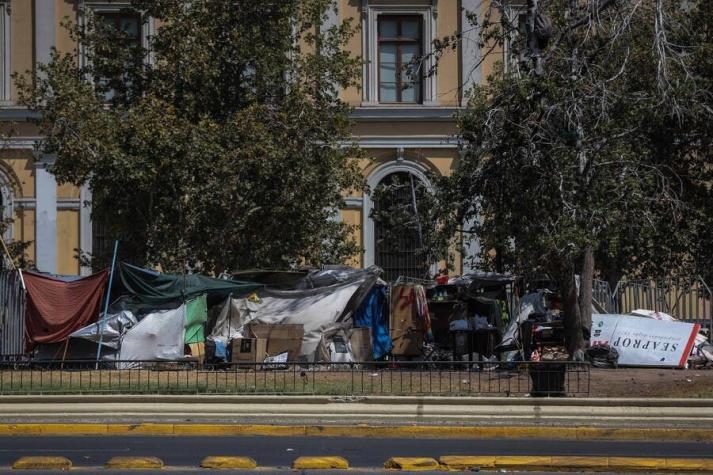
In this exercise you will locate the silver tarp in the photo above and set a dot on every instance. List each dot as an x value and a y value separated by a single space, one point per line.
109 330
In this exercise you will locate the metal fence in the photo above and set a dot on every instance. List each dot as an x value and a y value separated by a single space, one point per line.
12 315
687 299
551 378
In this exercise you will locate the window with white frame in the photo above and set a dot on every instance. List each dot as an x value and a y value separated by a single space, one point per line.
5 71
393 35
131 29
400 46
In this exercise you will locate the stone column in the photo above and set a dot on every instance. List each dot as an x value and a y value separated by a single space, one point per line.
470 50
46 216
85 224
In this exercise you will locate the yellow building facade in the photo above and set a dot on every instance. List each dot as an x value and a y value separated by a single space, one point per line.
405 127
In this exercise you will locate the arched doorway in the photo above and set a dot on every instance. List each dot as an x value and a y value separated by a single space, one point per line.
398 230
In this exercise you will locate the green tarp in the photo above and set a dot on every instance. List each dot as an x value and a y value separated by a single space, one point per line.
196 316
150 287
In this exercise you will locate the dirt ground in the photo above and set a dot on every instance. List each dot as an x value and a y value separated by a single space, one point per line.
646 382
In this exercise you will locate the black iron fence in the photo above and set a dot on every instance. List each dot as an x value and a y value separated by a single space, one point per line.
551 378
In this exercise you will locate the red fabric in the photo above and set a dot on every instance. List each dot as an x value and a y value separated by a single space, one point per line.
55 308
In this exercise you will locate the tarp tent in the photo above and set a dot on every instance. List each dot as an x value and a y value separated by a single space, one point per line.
57 308
158 336
319 310
150 287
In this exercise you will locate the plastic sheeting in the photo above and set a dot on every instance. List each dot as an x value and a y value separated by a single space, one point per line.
55 309
196 316
318 310
374 313
150 287
531 303
158 336
109 330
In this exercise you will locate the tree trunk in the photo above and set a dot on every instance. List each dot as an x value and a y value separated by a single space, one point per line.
585 289
572 313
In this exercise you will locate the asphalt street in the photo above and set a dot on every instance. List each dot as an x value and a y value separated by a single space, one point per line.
280 452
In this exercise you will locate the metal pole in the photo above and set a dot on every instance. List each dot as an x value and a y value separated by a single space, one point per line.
100 326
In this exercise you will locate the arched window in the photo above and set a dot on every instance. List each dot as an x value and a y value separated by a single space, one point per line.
398 231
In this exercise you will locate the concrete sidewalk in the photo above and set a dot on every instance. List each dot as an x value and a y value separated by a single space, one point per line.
318 411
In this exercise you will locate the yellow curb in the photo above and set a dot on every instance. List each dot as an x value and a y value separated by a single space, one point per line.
463 462
697 465
134 462
273 431
143 429
42 463
413 464
206 429
73 429
436 432
502 461
320 463
637 463
228 462
591 463
20 429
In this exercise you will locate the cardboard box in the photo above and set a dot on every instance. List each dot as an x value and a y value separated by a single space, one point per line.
280 338
249 350
360 341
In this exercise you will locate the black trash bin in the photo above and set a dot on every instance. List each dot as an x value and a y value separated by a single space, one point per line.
548 379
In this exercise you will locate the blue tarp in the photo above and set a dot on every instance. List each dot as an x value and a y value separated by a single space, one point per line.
374 313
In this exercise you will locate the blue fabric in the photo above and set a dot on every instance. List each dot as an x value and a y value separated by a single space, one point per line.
221 351
374 313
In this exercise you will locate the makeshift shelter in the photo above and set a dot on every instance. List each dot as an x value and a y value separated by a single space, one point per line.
319 310
158 336
57 308
153 288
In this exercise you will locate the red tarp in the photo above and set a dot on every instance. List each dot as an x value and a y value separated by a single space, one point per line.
56 308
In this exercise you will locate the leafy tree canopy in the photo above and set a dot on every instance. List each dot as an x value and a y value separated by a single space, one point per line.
217 145
588 149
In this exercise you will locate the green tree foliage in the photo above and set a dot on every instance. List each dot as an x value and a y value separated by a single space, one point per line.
589 150
220 144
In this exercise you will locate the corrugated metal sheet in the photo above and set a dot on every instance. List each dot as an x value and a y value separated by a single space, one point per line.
12 316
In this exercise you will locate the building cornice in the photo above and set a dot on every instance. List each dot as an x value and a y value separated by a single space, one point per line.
420 141
422 113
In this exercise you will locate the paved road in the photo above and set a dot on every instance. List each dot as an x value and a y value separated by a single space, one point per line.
281 451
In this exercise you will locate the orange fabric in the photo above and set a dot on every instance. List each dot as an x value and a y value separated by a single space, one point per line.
55 309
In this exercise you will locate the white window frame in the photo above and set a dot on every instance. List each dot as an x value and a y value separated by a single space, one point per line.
5 37
370 47
148 28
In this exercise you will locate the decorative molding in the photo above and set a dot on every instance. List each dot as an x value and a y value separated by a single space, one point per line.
19 143
370 47
353 202
10 112
62 203
404 113
439 141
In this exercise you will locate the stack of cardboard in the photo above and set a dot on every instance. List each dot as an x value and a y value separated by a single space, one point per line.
268 340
